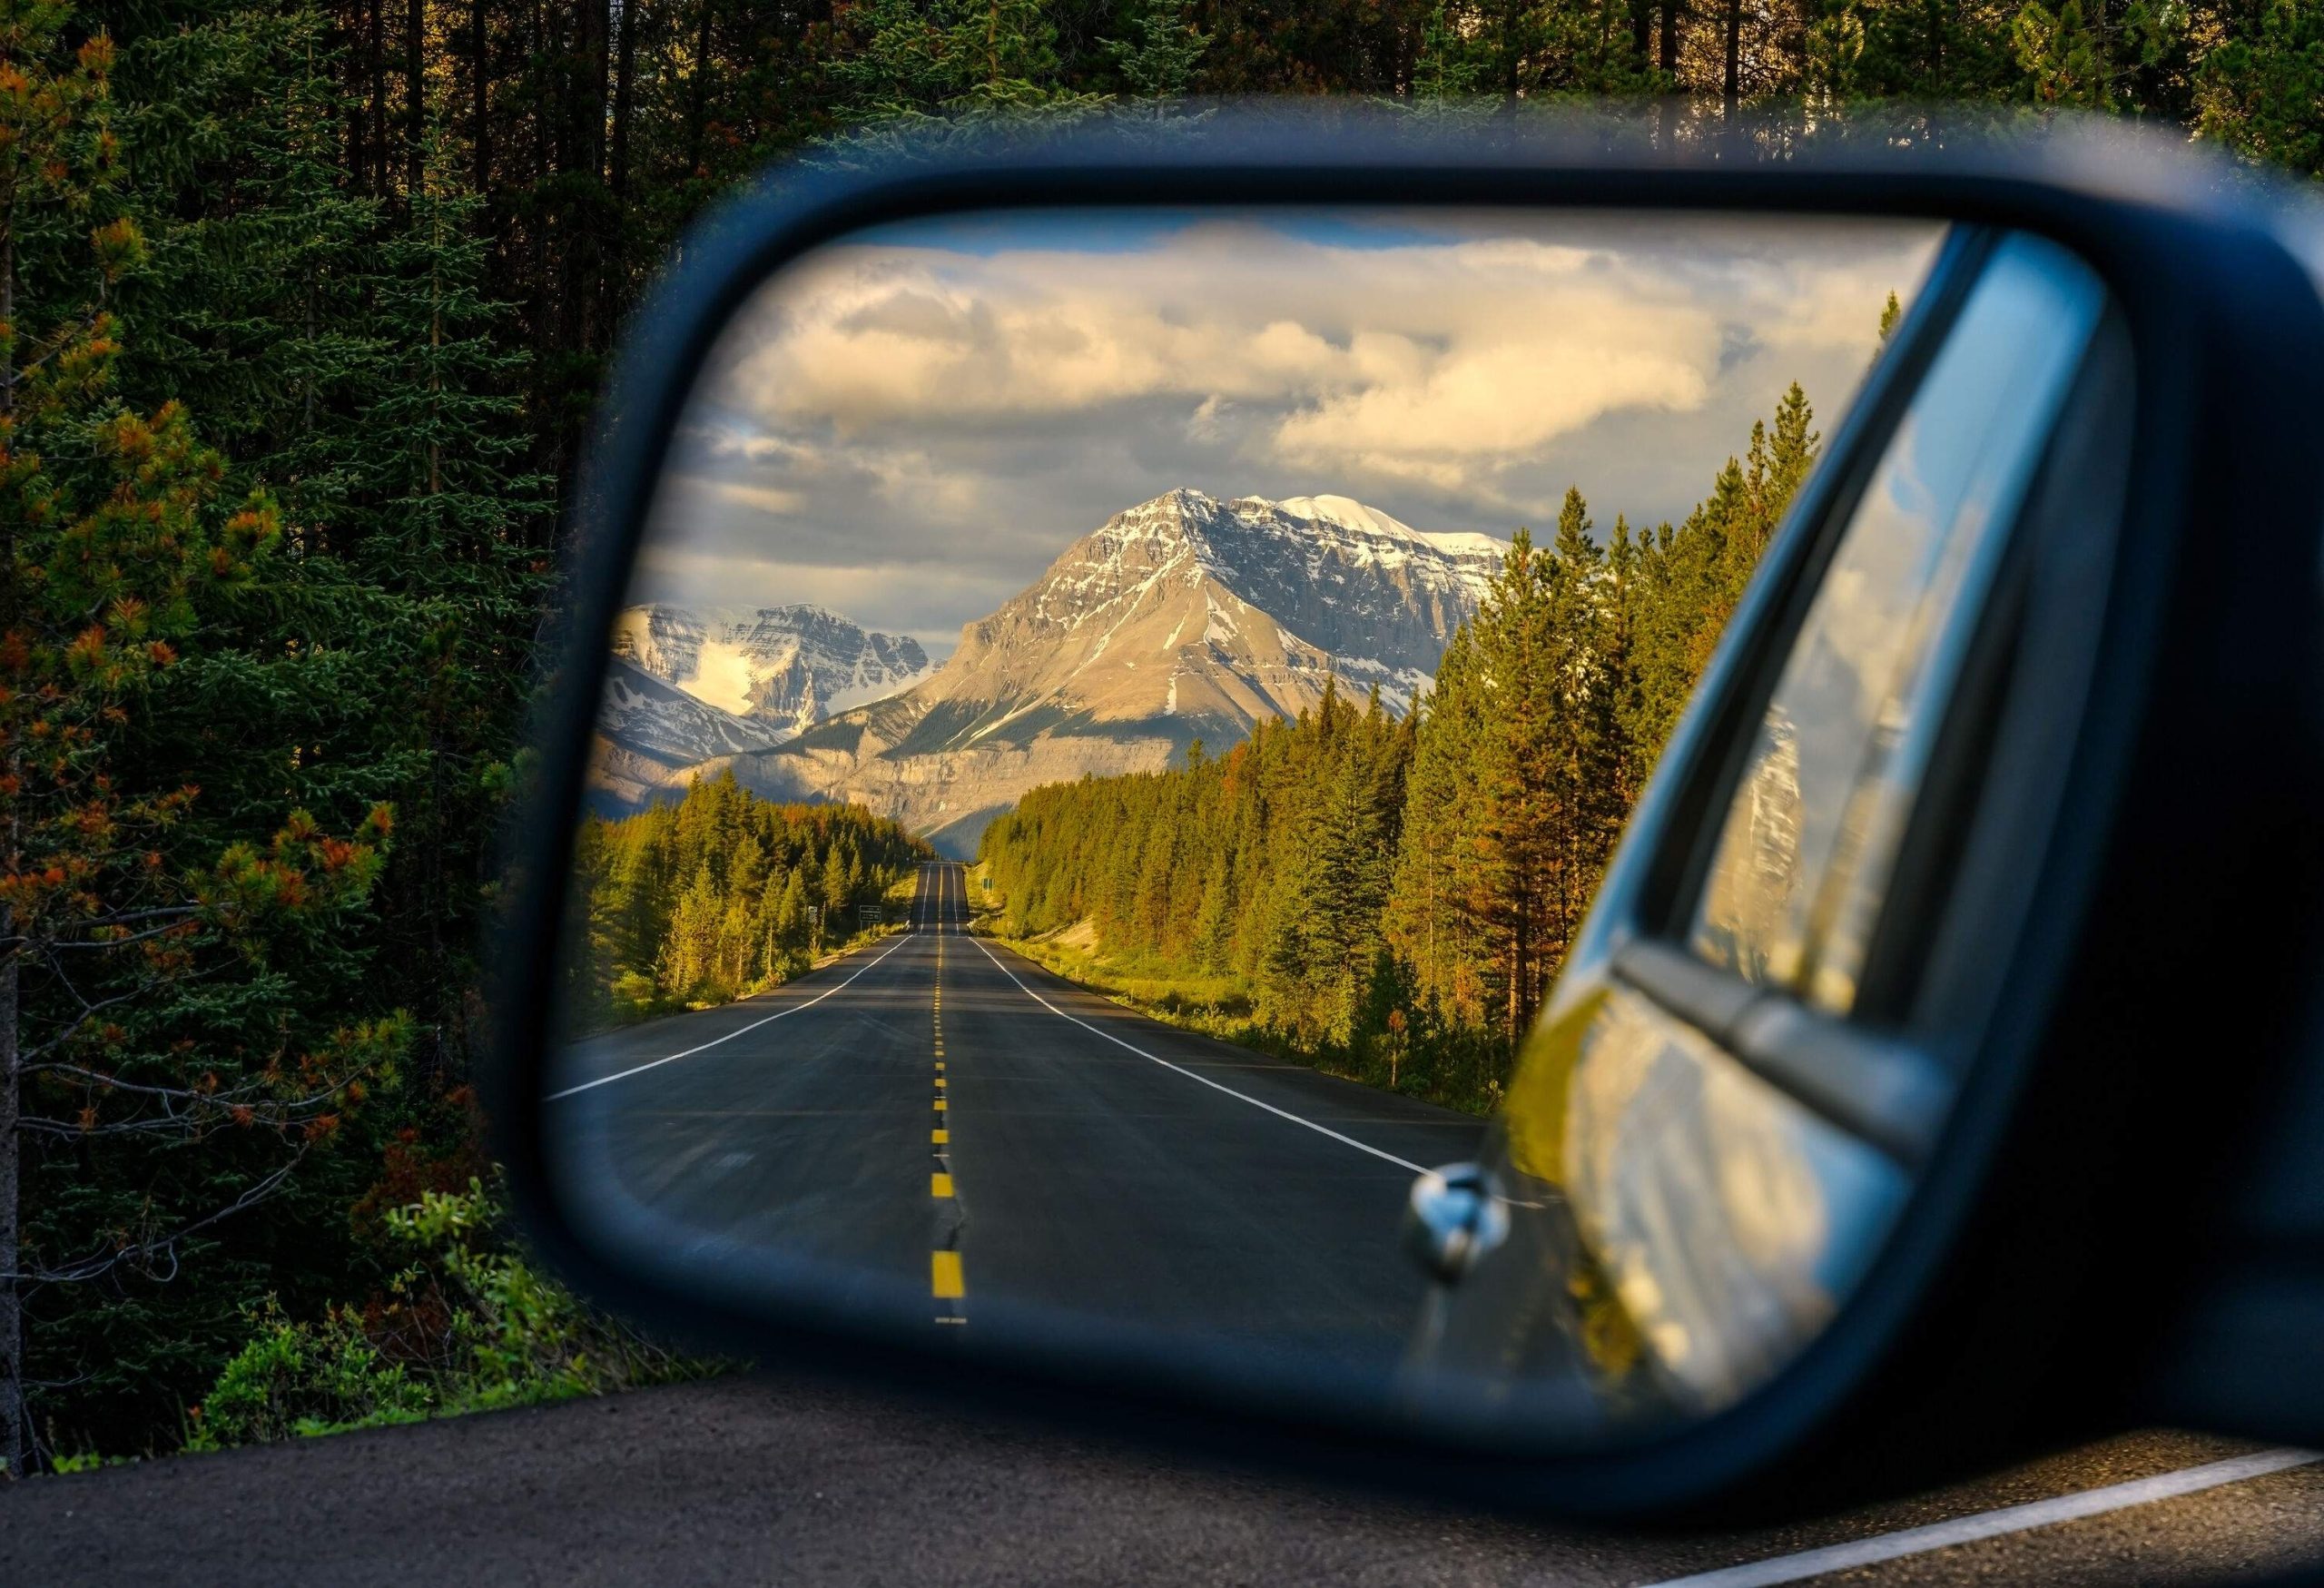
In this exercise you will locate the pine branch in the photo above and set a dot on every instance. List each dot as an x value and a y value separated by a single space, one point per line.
98 1264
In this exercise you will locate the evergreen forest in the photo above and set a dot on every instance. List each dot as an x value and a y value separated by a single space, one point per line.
1392 897
718 895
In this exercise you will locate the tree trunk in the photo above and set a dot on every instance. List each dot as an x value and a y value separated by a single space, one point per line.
480 98
698 114
1521 970
8 316
1670 56
378 116
352 31
598 40
1732 85
415 72
16 1422
15 1414
16 1417
625 76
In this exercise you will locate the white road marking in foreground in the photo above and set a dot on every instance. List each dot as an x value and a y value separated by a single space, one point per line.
1913 1541
742 1030
1190 1075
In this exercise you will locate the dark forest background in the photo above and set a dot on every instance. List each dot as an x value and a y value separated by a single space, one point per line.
302 311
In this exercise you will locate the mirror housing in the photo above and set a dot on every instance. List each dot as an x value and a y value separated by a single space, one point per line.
2012 1286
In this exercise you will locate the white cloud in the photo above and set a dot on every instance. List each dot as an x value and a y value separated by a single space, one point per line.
1449 360
920 423
766 499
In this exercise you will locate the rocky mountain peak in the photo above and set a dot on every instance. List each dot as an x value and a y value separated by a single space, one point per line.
1183 616
785 667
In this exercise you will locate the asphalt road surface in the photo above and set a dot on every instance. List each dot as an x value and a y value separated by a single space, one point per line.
791 1482
935 1120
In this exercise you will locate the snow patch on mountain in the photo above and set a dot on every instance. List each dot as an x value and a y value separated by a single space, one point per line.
787 666
640 712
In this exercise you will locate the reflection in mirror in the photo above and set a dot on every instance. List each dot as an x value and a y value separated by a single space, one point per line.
1716 1207
1116 717
1803 858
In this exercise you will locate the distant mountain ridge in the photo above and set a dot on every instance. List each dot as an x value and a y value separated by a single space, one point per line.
788 666
688 686
1180 619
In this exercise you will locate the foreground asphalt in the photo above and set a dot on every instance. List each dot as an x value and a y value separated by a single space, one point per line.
779 1482
941 1123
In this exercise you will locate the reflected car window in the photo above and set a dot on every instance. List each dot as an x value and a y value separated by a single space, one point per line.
1808 843
1730 1220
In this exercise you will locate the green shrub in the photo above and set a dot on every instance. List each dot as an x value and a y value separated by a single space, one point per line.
296 1378
469 1325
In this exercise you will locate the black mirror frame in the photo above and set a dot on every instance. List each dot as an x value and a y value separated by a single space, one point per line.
2198 258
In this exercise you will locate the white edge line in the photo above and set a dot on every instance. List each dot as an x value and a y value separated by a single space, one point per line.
740 1031
1913 1541
1190 1075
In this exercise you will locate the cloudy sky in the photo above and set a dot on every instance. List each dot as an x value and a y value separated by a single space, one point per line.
909 427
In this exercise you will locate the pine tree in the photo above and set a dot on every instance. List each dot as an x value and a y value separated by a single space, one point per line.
910 59
144 956
1158 60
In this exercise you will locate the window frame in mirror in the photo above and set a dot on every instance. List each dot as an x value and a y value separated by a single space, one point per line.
1885 1068
1874 1084
2134 215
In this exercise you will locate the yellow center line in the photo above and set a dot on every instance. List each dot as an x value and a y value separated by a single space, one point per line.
946 1281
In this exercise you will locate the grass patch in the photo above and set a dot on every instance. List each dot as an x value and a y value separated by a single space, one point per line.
1454 1070
636 999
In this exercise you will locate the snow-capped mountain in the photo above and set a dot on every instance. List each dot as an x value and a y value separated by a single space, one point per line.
661 720
785 666
686 687
1183 618
1217 614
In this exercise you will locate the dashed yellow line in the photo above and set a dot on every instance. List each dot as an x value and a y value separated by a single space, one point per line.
946 1282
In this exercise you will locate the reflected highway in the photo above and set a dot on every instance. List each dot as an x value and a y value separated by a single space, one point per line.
934 1109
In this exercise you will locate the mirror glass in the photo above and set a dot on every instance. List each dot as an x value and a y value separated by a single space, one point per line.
1119 716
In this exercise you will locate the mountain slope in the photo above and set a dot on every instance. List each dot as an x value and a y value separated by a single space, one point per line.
1183 618
650 732
785 666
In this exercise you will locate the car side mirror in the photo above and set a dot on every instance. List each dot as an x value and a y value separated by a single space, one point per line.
1044 880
